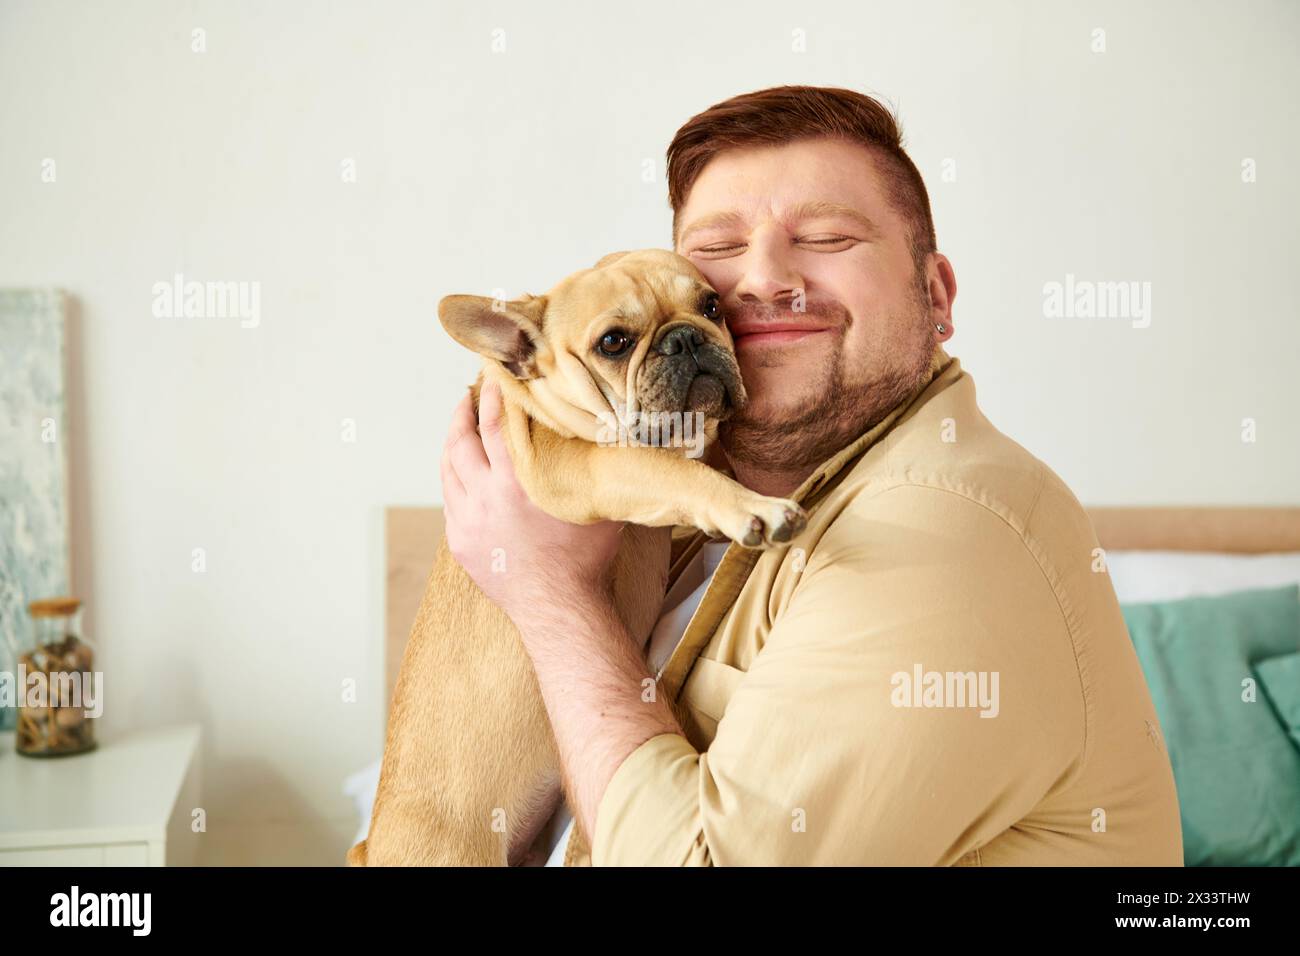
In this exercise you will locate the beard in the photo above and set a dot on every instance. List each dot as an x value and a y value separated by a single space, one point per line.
834 412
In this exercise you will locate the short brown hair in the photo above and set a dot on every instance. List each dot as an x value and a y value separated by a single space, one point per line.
785 114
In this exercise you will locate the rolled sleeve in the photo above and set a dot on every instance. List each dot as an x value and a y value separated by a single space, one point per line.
816 762
650 813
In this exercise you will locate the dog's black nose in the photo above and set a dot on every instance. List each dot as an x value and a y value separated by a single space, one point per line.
680 338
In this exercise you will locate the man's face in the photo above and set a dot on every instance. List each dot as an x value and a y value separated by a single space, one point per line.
833 325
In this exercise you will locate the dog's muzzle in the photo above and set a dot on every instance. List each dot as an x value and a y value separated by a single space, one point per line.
694 374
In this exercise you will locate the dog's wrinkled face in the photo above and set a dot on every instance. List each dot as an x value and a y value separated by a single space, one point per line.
645 329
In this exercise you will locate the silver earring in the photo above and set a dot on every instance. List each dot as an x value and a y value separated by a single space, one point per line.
942 328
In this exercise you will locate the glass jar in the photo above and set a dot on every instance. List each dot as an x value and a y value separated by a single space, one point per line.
56 687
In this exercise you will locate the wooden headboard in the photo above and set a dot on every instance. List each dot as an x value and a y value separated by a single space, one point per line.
412 536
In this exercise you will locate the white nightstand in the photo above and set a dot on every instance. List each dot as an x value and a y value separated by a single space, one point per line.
128 802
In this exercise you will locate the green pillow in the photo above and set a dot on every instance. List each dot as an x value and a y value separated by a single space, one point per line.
1237 772
1280 678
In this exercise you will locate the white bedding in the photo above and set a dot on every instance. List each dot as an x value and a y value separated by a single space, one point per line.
361 787
1144 576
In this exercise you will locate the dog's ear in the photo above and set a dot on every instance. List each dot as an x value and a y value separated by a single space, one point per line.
506 332
606 260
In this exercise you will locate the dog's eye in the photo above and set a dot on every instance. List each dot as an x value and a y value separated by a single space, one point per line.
614 343
711 309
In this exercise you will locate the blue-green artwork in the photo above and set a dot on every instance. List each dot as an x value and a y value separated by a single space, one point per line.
34 555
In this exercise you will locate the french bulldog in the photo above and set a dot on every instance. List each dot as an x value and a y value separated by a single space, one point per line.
611 383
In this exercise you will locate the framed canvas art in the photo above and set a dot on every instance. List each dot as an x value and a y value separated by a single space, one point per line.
35 559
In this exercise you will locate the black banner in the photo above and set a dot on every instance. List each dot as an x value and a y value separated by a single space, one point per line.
241 904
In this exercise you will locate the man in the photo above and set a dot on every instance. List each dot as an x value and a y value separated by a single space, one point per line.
935 672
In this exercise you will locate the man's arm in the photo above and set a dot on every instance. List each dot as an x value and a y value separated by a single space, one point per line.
818 761
602 701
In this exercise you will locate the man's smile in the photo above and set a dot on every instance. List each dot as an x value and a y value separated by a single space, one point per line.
752 334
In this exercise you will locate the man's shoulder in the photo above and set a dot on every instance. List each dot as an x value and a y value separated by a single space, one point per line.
948 454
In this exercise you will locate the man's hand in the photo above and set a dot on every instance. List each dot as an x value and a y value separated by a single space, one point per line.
526 561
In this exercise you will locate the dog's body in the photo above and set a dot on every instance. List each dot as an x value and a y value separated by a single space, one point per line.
470 764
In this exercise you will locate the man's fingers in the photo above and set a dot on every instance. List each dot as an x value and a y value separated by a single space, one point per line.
453 492
492 427
464 447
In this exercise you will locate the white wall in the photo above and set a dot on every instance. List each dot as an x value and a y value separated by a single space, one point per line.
480 170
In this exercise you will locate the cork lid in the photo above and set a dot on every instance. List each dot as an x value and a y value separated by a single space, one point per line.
54 607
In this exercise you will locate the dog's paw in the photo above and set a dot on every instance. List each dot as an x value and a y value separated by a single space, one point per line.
766 522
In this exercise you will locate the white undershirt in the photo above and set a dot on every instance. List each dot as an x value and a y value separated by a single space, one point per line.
678 608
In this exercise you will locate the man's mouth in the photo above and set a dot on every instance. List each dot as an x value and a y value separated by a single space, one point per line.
772 333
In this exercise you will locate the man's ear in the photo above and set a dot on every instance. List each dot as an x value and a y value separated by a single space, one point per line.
606 260
506 332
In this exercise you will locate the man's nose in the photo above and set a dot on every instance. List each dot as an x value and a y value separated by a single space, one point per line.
683 338
767 270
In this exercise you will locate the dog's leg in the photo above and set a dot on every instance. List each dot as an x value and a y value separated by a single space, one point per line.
649 486
546 799
470 768
468 738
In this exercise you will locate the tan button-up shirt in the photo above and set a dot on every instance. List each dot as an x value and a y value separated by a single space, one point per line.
934 672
